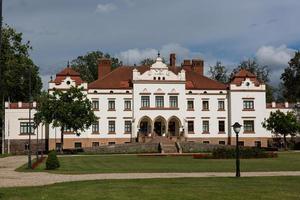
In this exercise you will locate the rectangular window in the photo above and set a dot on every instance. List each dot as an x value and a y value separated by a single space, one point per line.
77 145
95 144
127 105
221 126
26 127
95 127
111 126
173 102
145 101
191 126
221 105
248 104
111 143
205 126
241 143
205 142
127 127
222 142
190 105
159 101
248 126
257 144
205 105
111 105
95 104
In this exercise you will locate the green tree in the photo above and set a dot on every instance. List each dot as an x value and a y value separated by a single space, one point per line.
218 72
262 73
87 65
283 124
291 79
69 110
15 64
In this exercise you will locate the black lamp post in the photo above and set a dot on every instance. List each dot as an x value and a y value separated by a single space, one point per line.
237 127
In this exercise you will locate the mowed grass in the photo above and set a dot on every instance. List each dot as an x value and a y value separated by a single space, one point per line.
132 163
260 188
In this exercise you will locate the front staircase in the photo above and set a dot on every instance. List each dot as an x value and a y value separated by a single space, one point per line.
166 145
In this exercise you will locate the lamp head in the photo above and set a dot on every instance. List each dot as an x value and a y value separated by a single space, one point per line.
236 127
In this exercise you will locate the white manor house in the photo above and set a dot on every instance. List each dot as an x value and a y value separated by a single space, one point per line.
137 103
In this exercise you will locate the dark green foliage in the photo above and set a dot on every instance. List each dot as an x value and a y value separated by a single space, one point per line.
15 64
281 123
219 72
245 152
69 109
87 65
52 161
291 79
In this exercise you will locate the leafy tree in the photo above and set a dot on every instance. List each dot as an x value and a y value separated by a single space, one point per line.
87 65
283 124
69 110
261 72
291 79
15 64
218 72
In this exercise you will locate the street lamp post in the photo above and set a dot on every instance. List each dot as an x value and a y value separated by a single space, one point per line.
237 127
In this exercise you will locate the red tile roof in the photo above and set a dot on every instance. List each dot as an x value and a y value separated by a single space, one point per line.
68 71
23 106
121 78
241 76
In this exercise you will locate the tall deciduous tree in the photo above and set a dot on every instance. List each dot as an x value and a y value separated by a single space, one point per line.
69 110
15 65
261 72
283 124
219 73
291 79
87 65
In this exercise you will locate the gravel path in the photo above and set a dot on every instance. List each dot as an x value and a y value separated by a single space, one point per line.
10 178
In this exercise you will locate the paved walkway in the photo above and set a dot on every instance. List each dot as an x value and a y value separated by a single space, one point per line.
10 178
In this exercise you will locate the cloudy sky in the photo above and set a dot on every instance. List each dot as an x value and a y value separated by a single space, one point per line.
228 31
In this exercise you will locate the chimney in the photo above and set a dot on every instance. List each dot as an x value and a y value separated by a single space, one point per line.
197 66
273 104
172 59
19 104
104 67
186 65
34 104
6 104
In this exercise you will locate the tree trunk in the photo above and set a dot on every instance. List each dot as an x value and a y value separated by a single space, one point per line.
62 140
285 142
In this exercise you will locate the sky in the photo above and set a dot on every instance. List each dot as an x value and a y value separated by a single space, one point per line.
228 31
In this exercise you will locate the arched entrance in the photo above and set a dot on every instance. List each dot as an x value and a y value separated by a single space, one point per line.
174 125
160 125
145 125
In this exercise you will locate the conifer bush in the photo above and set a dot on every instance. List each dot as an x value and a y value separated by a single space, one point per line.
52 161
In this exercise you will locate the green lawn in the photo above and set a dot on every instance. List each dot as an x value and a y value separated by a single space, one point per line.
260 188
132 163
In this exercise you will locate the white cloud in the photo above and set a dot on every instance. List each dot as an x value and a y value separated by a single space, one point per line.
135 56
106 8
275 57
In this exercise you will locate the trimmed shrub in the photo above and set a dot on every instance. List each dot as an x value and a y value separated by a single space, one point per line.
245 152
52 161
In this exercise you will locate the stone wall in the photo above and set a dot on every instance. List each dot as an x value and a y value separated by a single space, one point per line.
196 147
18 147
129 148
